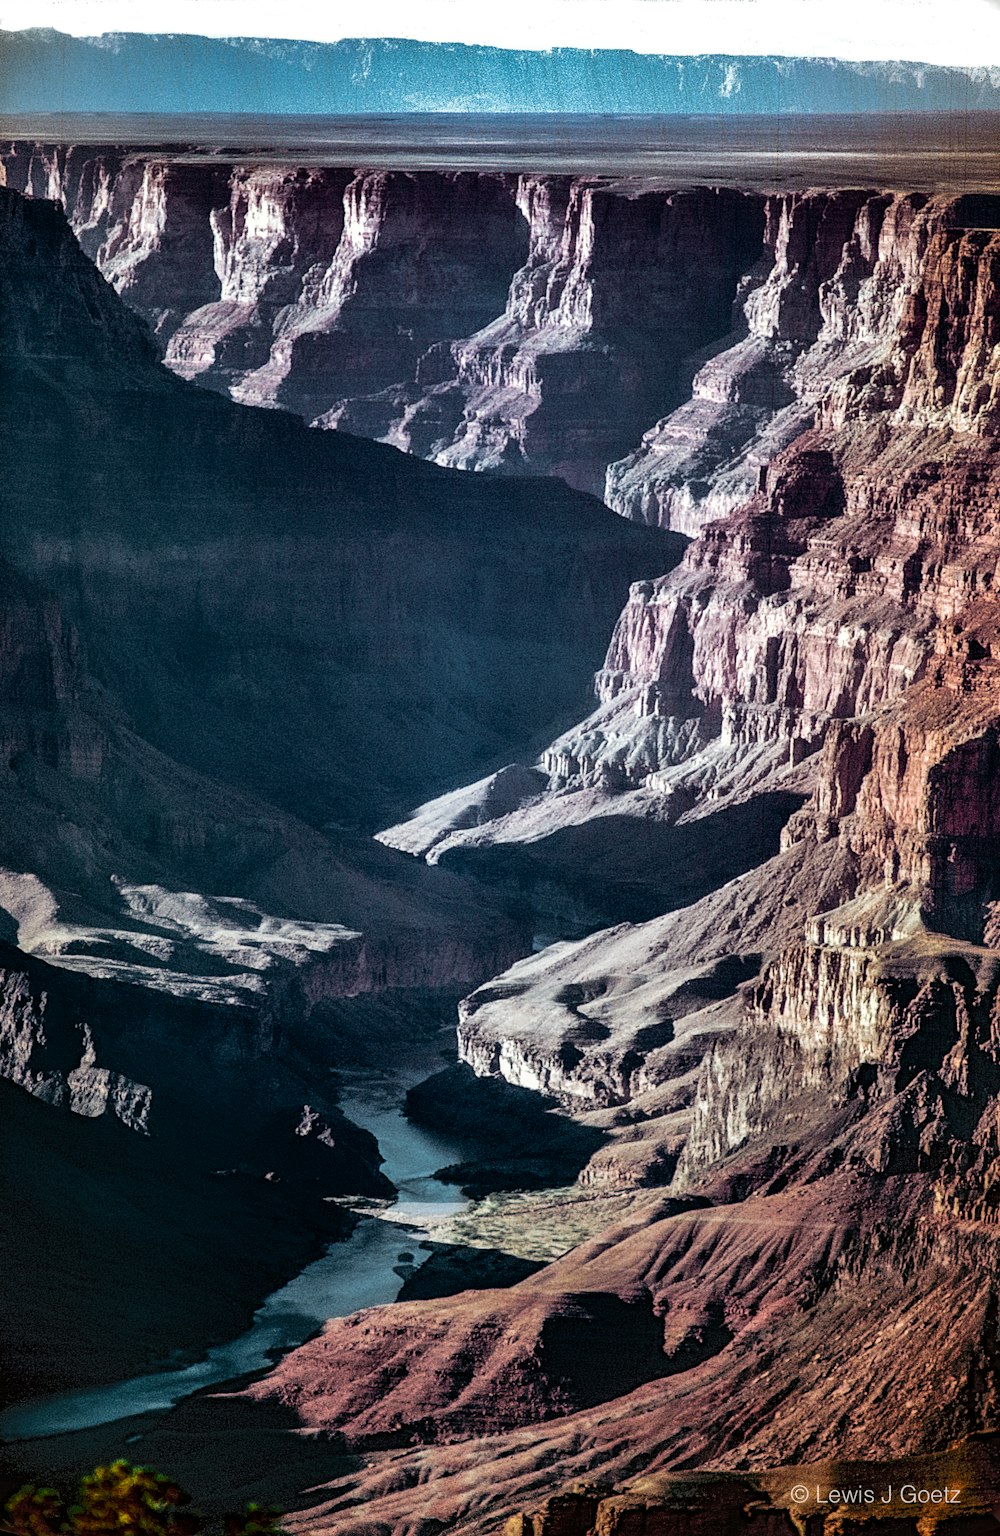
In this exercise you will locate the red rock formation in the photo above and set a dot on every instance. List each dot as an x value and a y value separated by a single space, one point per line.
189 586
379 301
313 290
619 288
953 1492
274 236
829 297
837 1289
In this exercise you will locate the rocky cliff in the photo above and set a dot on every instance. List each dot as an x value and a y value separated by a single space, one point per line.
792 1066
357 539
747 679
797 1072
305 289
532 323
528 324
620 287
523 323
129 72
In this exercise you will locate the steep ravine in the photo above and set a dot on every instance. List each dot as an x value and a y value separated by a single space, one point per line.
245 642
227 644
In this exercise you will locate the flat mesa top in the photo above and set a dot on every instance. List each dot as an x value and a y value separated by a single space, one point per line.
920 151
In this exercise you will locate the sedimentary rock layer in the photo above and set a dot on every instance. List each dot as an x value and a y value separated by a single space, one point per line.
223 636
799 1072
527 324
532 323
951 1492
794 1071
217 560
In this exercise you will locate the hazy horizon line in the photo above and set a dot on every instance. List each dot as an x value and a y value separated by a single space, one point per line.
916 62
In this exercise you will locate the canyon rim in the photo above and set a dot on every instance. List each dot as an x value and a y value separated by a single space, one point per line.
500 709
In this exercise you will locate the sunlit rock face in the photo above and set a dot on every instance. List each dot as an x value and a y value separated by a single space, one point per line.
801 1065
228 645
213 632
532 324
526 324
825 298
402 264
832 639
619 289
305 289
819 600
267 561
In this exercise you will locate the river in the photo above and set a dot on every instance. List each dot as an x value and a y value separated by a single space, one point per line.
368 1269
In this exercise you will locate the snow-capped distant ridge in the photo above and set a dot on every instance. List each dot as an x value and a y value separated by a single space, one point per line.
48 71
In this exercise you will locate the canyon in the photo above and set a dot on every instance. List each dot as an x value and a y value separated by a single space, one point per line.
186 875
796 1068
476 319
758 863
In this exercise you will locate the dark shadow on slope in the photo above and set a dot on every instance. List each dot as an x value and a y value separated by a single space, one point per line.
528 1145
313 618
623 868
377 1030
602 1346
453 1267
117 1250
224 1449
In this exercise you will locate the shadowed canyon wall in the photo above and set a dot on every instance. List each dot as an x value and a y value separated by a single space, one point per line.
535 323
225 640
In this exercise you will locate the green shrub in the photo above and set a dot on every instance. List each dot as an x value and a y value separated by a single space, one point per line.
131 1501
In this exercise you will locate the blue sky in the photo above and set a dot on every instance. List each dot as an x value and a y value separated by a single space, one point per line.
938 31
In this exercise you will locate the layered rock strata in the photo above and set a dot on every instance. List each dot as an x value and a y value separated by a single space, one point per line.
534 323
752 677
353 605
799 1072
619 288
222 637
955 1491
304 288
347 560
796 1074
527 324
